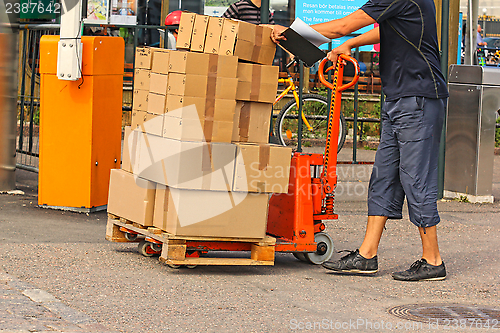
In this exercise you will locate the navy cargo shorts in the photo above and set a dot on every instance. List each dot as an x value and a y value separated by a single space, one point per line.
406 162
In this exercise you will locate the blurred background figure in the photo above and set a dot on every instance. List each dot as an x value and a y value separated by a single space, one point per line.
480 41
246 10
172 21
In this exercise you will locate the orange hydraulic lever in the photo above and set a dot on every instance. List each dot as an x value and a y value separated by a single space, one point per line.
329 174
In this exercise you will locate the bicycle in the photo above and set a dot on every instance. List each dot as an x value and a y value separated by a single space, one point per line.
315 109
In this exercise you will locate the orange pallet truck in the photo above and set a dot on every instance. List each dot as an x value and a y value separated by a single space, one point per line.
296 218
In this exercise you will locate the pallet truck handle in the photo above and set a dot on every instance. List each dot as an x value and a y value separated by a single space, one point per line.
340 58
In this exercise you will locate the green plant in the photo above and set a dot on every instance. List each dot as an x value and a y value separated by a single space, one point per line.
369 129
462 198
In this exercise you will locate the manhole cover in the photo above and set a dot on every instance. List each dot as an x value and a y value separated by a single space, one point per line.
449 314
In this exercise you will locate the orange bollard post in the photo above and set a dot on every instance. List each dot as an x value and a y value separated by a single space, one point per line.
80 125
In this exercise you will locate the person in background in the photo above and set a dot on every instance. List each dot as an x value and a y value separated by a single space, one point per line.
246 10
406 163
173 19
480 41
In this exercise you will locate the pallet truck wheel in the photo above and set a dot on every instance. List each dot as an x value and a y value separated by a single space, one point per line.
156 247
300 256
174 266
130 237
324 250
191 266
143 249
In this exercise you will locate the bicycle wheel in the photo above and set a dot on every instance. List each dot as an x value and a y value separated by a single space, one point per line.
315 108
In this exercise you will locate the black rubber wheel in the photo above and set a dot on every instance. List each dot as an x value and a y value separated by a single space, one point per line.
316 109
324 249
130 237
145 249
300 256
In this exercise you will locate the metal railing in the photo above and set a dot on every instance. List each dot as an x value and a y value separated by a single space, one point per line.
28 102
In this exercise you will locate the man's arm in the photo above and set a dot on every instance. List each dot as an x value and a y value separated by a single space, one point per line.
344 26
333 29
368 38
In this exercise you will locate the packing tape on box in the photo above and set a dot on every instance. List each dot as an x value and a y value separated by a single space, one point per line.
213 63
206 167
133 147
209 107
261 186
244 122
210 96
255 87
208 128
264 155
258 45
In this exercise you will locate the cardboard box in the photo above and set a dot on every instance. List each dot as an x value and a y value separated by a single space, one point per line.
217 131
160 62
188 63
215 125
223 110
223 65
257 83
175 102
126 164
217 214
131 198
185 30
147 122
156 103
248 51
251 122
228 37
199 33
187 85
225 88
185 164
262 168
214 166
159 83
140 101
183 128
247 41
141 79
139 117
214 32
143 58
260 50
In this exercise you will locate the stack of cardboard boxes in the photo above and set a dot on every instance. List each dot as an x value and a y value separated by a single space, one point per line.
196 161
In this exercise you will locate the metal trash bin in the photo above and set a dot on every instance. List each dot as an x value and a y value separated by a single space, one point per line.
470 132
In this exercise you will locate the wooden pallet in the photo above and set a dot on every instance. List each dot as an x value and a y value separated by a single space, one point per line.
175 249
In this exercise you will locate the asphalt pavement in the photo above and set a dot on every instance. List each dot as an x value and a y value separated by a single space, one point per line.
58 274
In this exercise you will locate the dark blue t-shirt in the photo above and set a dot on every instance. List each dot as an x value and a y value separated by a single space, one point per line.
409 52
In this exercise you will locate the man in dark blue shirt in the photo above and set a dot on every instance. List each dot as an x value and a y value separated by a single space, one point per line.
412 120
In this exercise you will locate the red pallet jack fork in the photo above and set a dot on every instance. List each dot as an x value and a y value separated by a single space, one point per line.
296 218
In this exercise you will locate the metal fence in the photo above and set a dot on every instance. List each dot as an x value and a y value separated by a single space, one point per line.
28 102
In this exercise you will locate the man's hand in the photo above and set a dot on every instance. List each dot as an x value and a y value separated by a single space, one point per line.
342 49
276 34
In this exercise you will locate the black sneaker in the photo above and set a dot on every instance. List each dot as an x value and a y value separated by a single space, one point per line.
420 270
353 263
